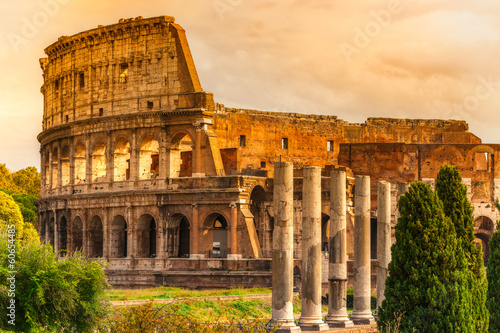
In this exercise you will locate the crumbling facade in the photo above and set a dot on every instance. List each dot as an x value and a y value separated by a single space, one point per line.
141 167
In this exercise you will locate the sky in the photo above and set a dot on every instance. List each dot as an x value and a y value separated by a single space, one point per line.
434 59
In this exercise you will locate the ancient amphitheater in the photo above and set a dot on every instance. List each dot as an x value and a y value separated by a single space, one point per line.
141 167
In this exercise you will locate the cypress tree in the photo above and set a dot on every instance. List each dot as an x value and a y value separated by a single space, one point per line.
493 270
457 207
424 285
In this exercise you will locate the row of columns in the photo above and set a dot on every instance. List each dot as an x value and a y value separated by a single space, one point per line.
282 276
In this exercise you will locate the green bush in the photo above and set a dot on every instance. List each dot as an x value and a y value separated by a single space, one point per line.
51 295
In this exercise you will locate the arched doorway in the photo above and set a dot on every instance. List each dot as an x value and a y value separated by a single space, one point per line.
483 231
146 234
181 156
80 164
258 199
118 237
99 162
149 162
63 235
178 235
216 226
95 238
122 160
65 166
51 232
77 234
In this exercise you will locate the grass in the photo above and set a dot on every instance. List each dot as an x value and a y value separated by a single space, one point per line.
172 292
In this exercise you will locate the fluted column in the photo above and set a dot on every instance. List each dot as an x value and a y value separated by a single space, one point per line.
361 313
337 267
383 237
282 264
311 318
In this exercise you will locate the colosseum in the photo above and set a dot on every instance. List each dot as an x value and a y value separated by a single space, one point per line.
142 168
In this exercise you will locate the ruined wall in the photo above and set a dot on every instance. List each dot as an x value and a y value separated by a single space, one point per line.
262 138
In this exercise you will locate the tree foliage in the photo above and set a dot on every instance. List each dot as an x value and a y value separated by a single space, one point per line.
424 283
52 295
10 214
26 180
457 207
493 274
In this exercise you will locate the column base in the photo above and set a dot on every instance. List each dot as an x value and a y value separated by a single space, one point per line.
320 327
362 318
235 256
340 324
288 329
196 256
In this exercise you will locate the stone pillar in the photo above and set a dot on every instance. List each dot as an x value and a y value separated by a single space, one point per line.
163 155
383 238
233 233
106 233
110 159
130 226
85 223
197 152
56 233
311 318
362 313
88 160
337 267
71 163
195 230
134 157
50 169
282 264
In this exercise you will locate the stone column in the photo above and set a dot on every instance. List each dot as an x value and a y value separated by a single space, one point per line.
197 152
56 233
383 238
362 313
311 318
337 267
50 169
85 248
134 157
110 159
233 233
282 264
88 160
195 229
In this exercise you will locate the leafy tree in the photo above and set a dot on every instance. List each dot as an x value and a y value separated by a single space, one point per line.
52 295
26 203
424 287
28 181
493 274
457 207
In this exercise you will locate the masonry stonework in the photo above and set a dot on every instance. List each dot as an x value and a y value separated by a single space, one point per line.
141 167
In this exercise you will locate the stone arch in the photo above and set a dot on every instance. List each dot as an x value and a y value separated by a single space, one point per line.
258 198
178 236
95 237
63 234
121 158
447 154
325 231
77 234
51 231
99 161
149 157
215 227
55 167
483 230
147 237
481 157
181 154
80 163
65 156
119 237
